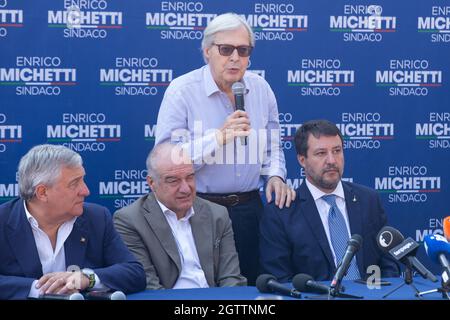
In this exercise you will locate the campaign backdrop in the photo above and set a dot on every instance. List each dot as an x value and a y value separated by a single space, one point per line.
91 74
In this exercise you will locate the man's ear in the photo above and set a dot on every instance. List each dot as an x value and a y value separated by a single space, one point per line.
151 182
301 159
41 192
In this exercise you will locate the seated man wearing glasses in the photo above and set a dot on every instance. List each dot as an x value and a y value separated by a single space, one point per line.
198 111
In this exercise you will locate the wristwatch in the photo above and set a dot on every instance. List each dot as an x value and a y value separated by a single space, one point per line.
90 274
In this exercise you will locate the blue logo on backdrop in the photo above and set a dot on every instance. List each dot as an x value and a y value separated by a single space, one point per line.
434 226
135 76
406 184
276 21
363 23
35 76
437 25
409 78
125 187
179 20
84 132
364 130
85 19
10 19
436 131
9 190
287 130
320 77
9 133
149 132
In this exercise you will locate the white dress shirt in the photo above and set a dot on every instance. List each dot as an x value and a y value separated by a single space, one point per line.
191 275
323 207
194 105
51 260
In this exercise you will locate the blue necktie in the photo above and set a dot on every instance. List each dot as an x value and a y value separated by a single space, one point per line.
339 235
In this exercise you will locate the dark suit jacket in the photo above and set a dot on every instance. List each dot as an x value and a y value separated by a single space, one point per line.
147 233
293 240
102 250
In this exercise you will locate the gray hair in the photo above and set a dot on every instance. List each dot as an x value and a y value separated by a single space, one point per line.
165 151
42 165
225 22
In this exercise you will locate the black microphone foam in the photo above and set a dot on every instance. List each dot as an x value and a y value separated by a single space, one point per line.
305 283
267 283
238 89
389 238
262 282
353 245
392 241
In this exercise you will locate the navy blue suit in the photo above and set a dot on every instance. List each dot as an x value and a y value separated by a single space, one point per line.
293 240
93 243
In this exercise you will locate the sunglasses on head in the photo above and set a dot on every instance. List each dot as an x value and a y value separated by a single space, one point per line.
228 49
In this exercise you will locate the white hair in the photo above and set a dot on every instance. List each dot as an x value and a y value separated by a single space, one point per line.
225 22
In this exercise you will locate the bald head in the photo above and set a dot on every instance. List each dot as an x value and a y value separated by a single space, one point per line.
165 154
171 177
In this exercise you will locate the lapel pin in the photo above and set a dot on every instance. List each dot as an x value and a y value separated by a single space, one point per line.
354 199
83 240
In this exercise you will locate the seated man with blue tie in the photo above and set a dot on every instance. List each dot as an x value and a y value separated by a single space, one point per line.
311 235
52 242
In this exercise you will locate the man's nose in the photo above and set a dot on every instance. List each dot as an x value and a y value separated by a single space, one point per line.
84 190
331 158
184 187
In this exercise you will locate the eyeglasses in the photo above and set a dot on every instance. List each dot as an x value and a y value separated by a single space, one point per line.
227 50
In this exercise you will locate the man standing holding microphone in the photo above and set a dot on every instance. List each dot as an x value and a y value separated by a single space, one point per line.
199 112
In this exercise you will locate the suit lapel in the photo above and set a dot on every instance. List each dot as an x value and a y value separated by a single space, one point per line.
309 210
203 237
354 212
158 223
75 245
22 242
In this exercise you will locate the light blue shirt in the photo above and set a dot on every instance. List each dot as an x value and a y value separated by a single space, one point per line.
192 109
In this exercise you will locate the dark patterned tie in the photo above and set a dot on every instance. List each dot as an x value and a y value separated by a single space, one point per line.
339 235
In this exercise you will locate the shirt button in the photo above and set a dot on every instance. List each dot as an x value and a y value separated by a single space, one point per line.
238 174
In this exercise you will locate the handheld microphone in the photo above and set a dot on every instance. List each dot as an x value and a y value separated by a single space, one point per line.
55 296
238 89
105 295
267 283
353 245
305 283
437 248
391 241
447 228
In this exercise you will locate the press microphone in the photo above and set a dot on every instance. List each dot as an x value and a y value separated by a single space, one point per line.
447 228
105 295
437 248
391 241
238 89
267 283
305 283
353 245
55 296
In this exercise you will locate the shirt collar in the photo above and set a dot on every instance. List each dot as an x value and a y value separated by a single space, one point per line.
34 223
167 211
317 193
210 85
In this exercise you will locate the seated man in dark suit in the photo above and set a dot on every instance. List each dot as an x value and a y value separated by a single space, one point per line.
182 240
311 235
51 242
